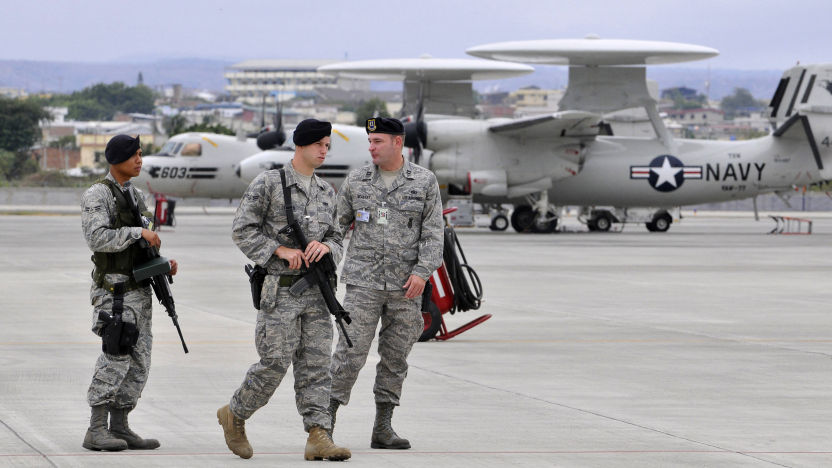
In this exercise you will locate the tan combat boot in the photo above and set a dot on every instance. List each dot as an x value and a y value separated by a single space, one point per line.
235 432
320 446
121 429
98 437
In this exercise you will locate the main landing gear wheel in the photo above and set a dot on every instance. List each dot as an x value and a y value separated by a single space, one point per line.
433 320
547 228
522 218
661 223
602 223
499 223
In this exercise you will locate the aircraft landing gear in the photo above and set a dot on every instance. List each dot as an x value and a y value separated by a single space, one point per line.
601 223
661 222
522 218
499 223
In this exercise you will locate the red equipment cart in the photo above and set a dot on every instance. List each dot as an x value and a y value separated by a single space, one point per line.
444 300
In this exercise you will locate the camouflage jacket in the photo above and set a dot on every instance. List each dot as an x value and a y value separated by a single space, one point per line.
98 212
261 215
383 256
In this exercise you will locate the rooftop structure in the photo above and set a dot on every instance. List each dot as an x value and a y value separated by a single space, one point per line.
251 80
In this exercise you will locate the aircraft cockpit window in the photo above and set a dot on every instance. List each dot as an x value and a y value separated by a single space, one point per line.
178 147
192 149
168 149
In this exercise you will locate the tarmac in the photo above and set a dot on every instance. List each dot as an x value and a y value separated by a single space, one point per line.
708 345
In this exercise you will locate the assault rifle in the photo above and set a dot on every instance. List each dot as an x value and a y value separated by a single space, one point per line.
318 273
156 268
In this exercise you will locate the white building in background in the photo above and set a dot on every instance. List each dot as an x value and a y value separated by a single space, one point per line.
249 81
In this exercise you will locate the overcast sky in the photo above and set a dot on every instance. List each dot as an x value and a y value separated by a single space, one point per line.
759 34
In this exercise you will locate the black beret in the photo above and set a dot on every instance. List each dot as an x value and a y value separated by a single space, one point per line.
311 131
384 125
120 148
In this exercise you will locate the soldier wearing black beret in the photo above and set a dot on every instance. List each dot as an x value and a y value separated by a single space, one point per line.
396 245
292 328
112 232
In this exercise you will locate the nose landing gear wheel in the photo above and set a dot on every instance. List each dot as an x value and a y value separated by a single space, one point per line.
433 321
499 223
547 228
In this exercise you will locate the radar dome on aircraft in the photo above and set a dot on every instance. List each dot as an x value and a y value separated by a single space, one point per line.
593 50
426 68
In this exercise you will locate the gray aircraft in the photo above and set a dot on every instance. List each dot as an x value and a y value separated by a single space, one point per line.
572 157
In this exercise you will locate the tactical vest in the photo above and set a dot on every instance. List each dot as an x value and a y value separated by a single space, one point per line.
119 262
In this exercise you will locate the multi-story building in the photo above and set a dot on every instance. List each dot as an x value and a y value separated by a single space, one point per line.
249 81
690 117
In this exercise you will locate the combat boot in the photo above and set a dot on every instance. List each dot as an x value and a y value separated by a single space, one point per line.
384 437
120 429
320 446
333 408
98 437
235 432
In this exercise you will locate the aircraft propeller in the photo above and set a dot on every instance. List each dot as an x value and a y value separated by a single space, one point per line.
275 138
416 133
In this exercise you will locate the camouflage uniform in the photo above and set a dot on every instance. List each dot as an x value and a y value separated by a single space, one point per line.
380 259
118 380
290 330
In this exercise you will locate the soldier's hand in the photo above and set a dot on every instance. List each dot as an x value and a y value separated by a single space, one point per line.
415 286
315 251
294 256
174 267
151 237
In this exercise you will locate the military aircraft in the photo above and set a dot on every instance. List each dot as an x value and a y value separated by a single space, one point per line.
571 157
197 165
444 83
347 151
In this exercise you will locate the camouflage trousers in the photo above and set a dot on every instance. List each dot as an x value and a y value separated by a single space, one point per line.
294 330
401 326
119 380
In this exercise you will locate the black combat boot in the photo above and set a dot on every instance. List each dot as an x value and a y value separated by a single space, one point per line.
98 437
119 428
384 437
333 408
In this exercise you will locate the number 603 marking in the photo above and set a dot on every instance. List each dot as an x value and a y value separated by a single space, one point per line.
174 172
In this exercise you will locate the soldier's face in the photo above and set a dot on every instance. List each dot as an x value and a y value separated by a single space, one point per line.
383 148
132 167
314 155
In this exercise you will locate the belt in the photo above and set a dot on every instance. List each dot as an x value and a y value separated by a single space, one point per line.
286 281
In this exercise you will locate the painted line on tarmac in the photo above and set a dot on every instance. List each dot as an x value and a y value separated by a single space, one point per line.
411 452
39 453
710 340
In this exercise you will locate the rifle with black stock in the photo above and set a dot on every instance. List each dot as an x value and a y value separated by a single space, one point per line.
318 273
156 269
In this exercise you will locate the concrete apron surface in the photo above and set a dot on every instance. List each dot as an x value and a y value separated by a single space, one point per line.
709 345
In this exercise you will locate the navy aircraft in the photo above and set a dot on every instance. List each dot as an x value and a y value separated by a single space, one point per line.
571 157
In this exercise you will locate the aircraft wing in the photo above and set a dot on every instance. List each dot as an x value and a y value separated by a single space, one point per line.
551 126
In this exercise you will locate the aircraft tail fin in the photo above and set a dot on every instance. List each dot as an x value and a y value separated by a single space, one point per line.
802 109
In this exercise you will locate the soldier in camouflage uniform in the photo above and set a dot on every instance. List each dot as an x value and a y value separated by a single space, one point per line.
290 329
119 379
396 245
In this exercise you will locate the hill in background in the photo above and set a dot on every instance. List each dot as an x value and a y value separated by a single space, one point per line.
207 74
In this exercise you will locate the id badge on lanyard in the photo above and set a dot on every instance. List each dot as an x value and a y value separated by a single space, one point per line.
382 214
